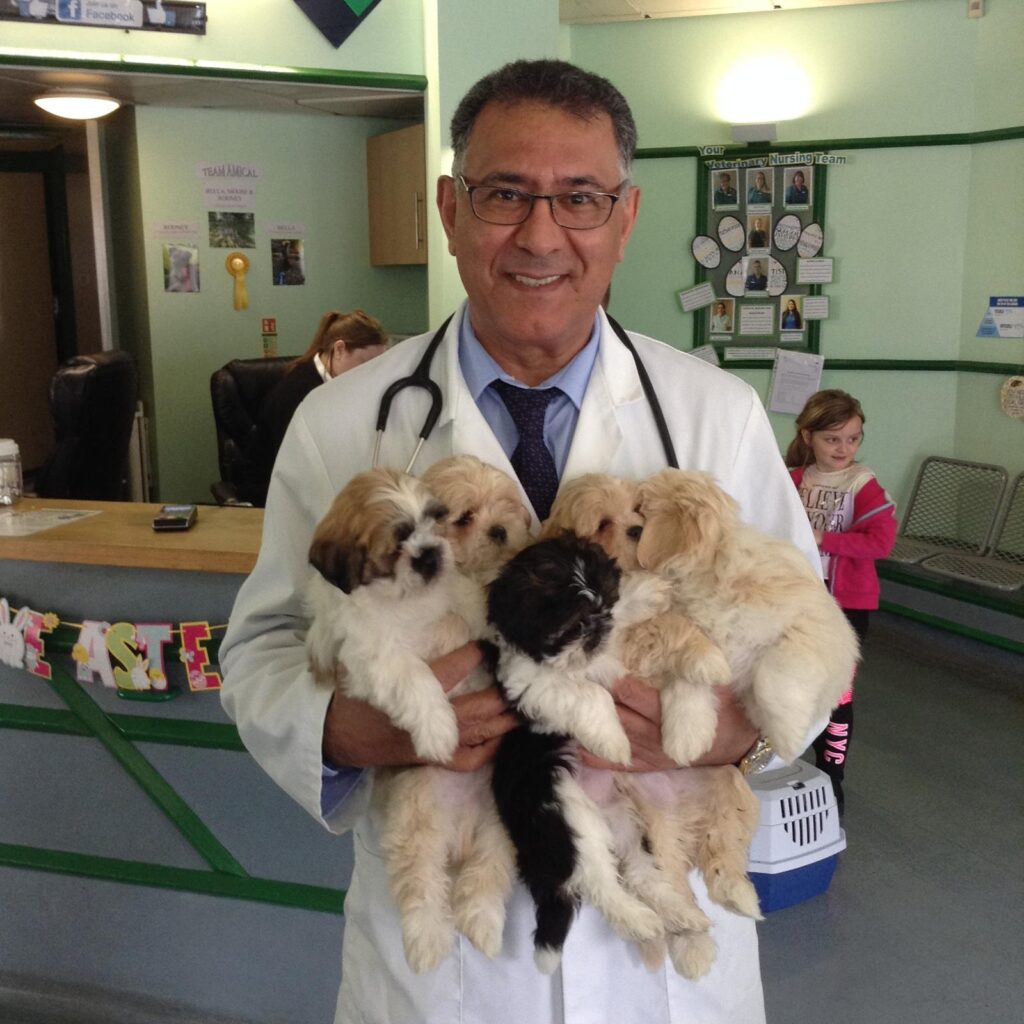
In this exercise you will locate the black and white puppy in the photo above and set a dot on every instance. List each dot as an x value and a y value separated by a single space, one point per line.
554 607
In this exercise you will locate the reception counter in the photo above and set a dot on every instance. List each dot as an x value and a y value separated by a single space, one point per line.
145 859
223 539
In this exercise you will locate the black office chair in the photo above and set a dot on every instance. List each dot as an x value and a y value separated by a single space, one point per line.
92 401
238 390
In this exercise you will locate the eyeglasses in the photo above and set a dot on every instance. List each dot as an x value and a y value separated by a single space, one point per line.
579 211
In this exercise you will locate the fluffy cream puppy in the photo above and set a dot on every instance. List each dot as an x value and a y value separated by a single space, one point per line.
691 818
386 600
790 650
487 522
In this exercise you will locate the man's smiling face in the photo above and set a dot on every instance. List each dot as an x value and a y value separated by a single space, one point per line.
536 285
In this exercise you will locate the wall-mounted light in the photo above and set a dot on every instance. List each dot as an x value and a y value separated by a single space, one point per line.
77 104
764 90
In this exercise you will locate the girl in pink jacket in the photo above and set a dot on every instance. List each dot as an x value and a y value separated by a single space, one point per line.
854 523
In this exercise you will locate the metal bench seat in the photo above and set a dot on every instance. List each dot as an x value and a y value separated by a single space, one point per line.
952 509
1002 566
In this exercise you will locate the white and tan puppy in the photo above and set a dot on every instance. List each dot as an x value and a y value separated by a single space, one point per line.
791 653
487 522
691 818
387 599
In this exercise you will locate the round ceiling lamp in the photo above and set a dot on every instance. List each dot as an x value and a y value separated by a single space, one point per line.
77 104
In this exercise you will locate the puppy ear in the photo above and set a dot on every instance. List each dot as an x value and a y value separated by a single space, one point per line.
343 567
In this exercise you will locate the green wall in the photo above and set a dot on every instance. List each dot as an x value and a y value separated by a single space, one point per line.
921 236
314 174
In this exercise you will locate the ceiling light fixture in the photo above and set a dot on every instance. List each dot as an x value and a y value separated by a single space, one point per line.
77 104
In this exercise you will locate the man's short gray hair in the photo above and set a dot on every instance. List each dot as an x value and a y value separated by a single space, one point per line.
554 82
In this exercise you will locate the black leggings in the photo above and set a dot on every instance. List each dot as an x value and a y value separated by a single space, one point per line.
832 747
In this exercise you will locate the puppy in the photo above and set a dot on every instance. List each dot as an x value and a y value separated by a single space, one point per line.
387 599
791 653
449 838
606 510
696 817
487 522
554 607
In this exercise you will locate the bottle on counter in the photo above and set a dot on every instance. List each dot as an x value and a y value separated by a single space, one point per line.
10 471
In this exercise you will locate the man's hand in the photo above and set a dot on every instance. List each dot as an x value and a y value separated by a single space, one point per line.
639 707
360 736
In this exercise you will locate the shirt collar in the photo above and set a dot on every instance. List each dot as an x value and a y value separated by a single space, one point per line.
321 368
479 369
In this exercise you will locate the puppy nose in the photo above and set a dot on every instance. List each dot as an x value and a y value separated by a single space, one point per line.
427 562
498 534
633 533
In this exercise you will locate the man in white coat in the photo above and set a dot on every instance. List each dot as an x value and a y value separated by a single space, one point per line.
538 210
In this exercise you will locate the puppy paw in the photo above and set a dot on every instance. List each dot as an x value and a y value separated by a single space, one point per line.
681 915
614 747
436 734
692 954
427 942
643 596
635 921
736 893
684 743
484 926
547 959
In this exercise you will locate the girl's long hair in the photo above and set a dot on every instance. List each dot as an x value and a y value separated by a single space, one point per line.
824 410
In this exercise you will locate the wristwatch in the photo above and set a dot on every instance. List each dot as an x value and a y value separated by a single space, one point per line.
757 757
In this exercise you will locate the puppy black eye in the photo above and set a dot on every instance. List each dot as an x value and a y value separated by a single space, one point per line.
498 534
403 532
634 532
603 525
437 512
465 519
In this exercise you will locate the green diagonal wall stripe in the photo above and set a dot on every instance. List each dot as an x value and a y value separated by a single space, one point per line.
162 876
152 783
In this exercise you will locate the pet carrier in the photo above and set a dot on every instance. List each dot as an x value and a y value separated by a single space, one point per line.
798 838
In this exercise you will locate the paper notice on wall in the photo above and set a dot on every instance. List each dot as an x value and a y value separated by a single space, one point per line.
748 353
697 298
1004 317
705 352
176 231
224 195
795 377
817 271
815 307
757 318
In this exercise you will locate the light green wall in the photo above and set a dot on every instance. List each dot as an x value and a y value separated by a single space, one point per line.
314 173
465 40
254 31
921 237
911 68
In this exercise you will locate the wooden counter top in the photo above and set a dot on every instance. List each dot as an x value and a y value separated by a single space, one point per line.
224 539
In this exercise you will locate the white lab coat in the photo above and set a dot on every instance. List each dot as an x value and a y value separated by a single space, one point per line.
717 424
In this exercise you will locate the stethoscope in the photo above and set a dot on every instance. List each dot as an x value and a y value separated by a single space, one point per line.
420 378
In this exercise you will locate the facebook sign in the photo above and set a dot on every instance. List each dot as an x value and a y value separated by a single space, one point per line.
110 13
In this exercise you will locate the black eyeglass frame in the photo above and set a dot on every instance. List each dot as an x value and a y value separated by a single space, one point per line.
533 196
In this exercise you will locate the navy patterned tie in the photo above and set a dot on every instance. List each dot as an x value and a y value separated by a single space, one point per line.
531 460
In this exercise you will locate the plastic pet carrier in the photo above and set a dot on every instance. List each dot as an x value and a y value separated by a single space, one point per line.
798 839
